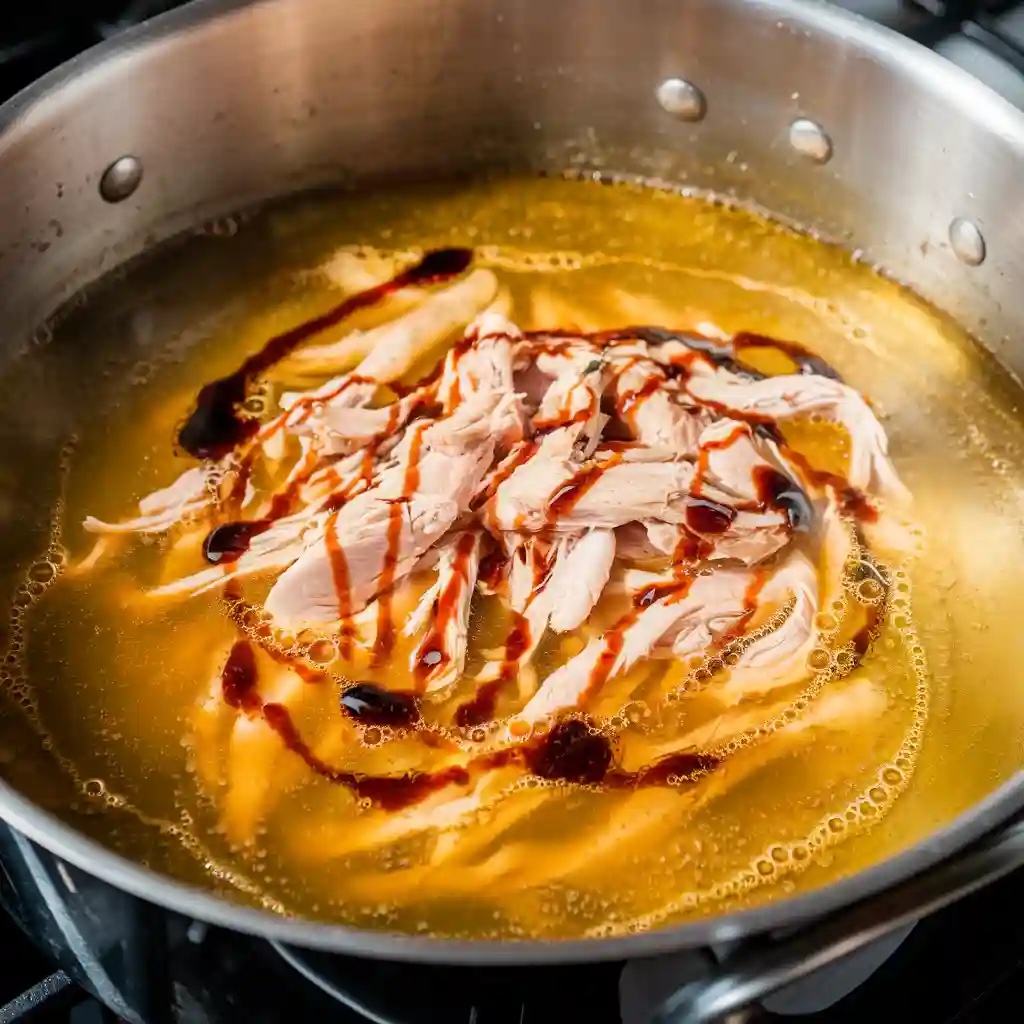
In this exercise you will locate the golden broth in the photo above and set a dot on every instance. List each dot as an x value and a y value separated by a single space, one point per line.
112 682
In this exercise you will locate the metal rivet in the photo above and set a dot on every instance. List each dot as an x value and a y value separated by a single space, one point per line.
682 99
810 140
967 241
121 179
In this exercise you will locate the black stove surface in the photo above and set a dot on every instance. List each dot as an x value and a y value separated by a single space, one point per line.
964 964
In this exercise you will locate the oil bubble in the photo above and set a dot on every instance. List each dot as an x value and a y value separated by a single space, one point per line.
42 572
819 659
322 651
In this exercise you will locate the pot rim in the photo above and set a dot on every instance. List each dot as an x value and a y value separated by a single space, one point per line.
44 828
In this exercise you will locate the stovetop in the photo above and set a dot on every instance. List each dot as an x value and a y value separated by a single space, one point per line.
964 964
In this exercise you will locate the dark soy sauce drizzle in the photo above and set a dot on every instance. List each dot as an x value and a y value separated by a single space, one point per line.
216 426
705 516
372 705
721 353
398 510
728 354
570 752
807 362
562 502
778 491
228 542
689 765
390 792
434 654
852 502
480 708
725 354
239 678
574 752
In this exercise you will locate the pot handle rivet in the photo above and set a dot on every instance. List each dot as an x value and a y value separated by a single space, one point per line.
810 140
121 179
682 99
967 241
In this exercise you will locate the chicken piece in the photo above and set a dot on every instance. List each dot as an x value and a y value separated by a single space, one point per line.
751 537
609 491
727 460
349 391
355 270
442 814
532 482
442 650
345 429
653 409
574 396
379 535
476 372
626 491
558 586
531 564
353 346
532 384
552 585
776 398
780 657
578 579
705 600
402 343
532 590
104 546
211 722
273 550
423 613
256 756
634 543
189 495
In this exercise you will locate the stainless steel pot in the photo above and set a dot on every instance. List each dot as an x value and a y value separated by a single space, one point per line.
819 117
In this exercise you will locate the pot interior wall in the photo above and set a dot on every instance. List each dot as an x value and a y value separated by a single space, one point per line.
270 97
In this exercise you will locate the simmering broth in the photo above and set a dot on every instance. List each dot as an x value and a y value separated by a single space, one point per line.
883 739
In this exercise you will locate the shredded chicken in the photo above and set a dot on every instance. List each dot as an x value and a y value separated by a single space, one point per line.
442 648
779 398
188 496
555 474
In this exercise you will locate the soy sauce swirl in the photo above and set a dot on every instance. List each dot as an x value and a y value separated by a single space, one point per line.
372 705
217 426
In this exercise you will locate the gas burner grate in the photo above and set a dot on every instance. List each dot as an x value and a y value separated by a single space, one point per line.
994 24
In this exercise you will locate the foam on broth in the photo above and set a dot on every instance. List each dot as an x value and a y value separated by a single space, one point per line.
111 685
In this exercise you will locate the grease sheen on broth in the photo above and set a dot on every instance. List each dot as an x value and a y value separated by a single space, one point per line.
112 686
